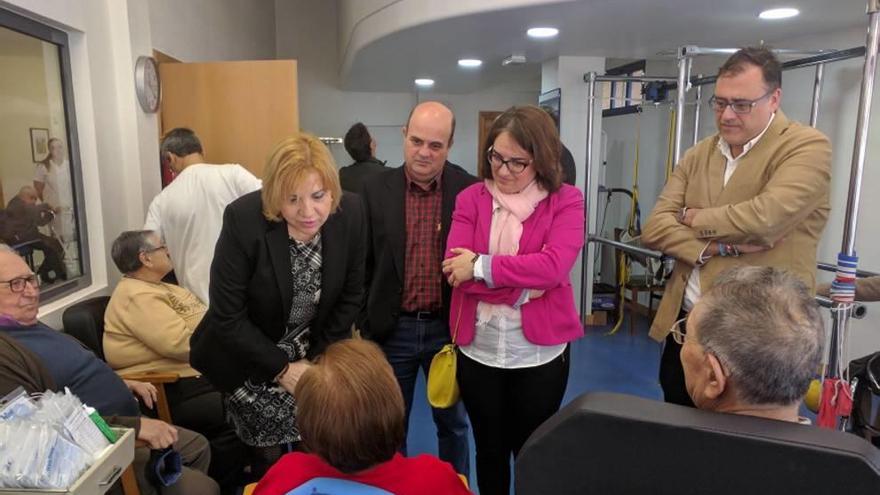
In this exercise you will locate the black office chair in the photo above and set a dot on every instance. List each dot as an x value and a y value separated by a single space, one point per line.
85 322
606 443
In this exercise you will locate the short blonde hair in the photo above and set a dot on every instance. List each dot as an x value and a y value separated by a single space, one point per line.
289 163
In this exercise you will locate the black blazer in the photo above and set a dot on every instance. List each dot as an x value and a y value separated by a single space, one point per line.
251 291
353 176
384 201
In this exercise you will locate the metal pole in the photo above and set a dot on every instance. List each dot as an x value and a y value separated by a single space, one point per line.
702 50
626 248
817 94
684 70
586 277
699 95
841 312
668 79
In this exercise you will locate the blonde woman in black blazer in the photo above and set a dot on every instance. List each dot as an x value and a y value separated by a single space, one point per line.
288 256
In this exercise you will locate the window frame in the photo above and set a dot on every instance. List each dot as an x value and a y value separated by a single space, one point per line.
29 27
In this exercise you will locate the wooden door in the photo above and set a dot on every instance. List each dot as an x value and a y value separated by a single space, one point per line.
239 110
486 120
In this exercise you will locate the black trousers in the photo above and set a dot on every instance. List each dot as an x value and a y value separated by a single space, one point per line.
505 406
197 405
672 373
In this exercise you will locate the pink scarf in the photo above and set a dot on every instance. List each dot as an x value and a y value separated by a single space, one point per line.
510 212
509 215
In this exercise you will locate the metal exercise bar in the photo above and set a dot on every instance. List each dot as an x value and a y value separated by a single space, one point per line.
834 56
817 94
697 103
622 78
859 310
586 277
842 312
626 248
828 267
691 50
684 73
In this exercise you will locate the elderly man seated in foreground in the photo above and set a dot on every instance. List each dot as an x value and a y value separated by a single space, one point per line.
752 344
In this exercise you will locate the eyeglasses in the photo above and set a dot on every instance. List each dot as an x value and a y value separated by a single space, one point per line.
18 284
678 335
514 165
739 106
148 251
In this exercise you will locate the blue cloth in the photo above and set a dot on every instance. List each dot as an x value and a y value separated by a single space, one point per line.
411 347
72 365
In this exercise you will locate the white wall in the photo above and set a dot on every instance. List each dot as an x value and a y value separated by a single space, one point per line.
327 110
205 30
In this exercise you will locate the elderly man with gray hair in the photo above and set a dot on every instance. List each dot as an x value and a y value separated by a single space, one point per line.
752 344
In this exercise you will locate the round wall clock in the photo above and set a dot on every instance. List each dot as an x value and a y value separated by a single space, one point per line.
146 83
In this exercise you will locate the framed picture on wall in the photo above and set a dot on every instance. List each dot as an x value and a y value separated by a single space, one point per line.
39 144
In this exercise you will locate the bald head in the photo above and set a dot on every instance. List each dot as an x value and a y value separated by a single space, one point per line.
427 138
28 195
434 111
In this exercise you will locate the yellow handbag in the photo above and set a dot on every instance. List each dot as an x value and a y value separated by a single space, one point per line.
442 383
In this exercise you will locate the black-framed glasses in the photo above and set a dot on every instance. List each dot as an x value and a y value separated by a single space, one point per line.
18 284
739 106
678 334
515 165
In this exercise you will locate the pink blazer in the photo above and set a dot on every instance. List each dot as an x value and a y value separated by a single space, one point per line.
551 241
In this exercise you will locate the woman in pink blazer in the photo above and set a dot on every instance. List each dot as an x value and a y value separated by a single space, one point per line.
513 241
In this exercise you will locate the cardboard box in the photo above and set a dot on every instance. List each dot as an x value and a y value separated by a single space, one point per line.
101 475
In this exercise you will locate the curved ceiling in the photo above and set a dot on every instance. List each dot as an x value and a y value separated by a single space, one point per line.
607 28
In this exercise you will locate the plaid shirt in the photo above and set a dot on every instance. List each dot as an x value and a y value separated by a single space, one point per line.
423 277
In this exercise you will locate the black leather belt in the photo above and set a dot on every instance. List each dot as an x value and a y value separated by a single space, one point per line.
421 315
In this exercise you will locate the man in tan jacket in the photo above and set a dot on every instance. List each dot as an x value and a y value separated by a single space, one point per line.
755 193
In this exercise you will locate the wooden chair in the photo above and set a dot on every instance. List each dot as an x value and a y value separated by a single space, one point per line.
85 322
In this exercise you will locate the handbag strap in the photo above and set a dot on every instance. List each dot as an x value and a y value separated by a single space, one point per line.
457 321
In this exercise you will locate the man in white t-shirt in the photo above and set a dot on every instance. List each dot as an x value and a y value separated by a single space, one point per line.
188 213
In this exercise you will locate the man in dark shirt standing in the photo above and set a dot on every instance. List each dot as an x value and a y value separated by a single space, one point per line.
407 309
362 148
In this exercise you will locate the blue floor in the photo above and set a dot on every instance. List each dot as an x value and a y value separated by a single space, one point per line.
623 363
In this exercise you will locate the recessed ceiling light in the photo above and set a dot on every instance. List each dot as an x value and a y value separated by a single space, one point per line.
542 32
424 83
470 62
783 13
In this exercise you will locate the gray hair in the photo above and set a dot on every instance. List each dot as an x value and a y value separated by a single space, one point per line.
4 248
180 141
127 248
766 329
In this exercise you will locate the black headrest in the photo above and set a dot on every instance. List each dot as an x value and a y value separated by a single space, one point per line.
85 321
609 443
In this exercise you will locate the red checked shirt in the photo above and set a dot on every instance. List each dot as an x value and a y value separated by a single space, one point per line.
423 276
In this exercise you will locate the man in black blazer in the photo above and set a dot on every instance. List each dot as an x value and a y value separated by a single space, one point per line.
362 148
409 210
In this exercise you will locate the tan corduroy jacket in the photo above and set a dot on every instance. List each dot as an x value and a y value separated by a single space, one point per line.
777 196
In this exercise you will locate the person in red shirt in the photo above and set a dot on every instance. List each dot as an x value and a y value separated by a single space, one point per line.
351 418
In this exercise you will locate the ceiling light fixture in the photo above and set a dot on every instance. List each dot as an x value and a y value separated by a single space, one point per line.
424 83
542 32
782 13
470 62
